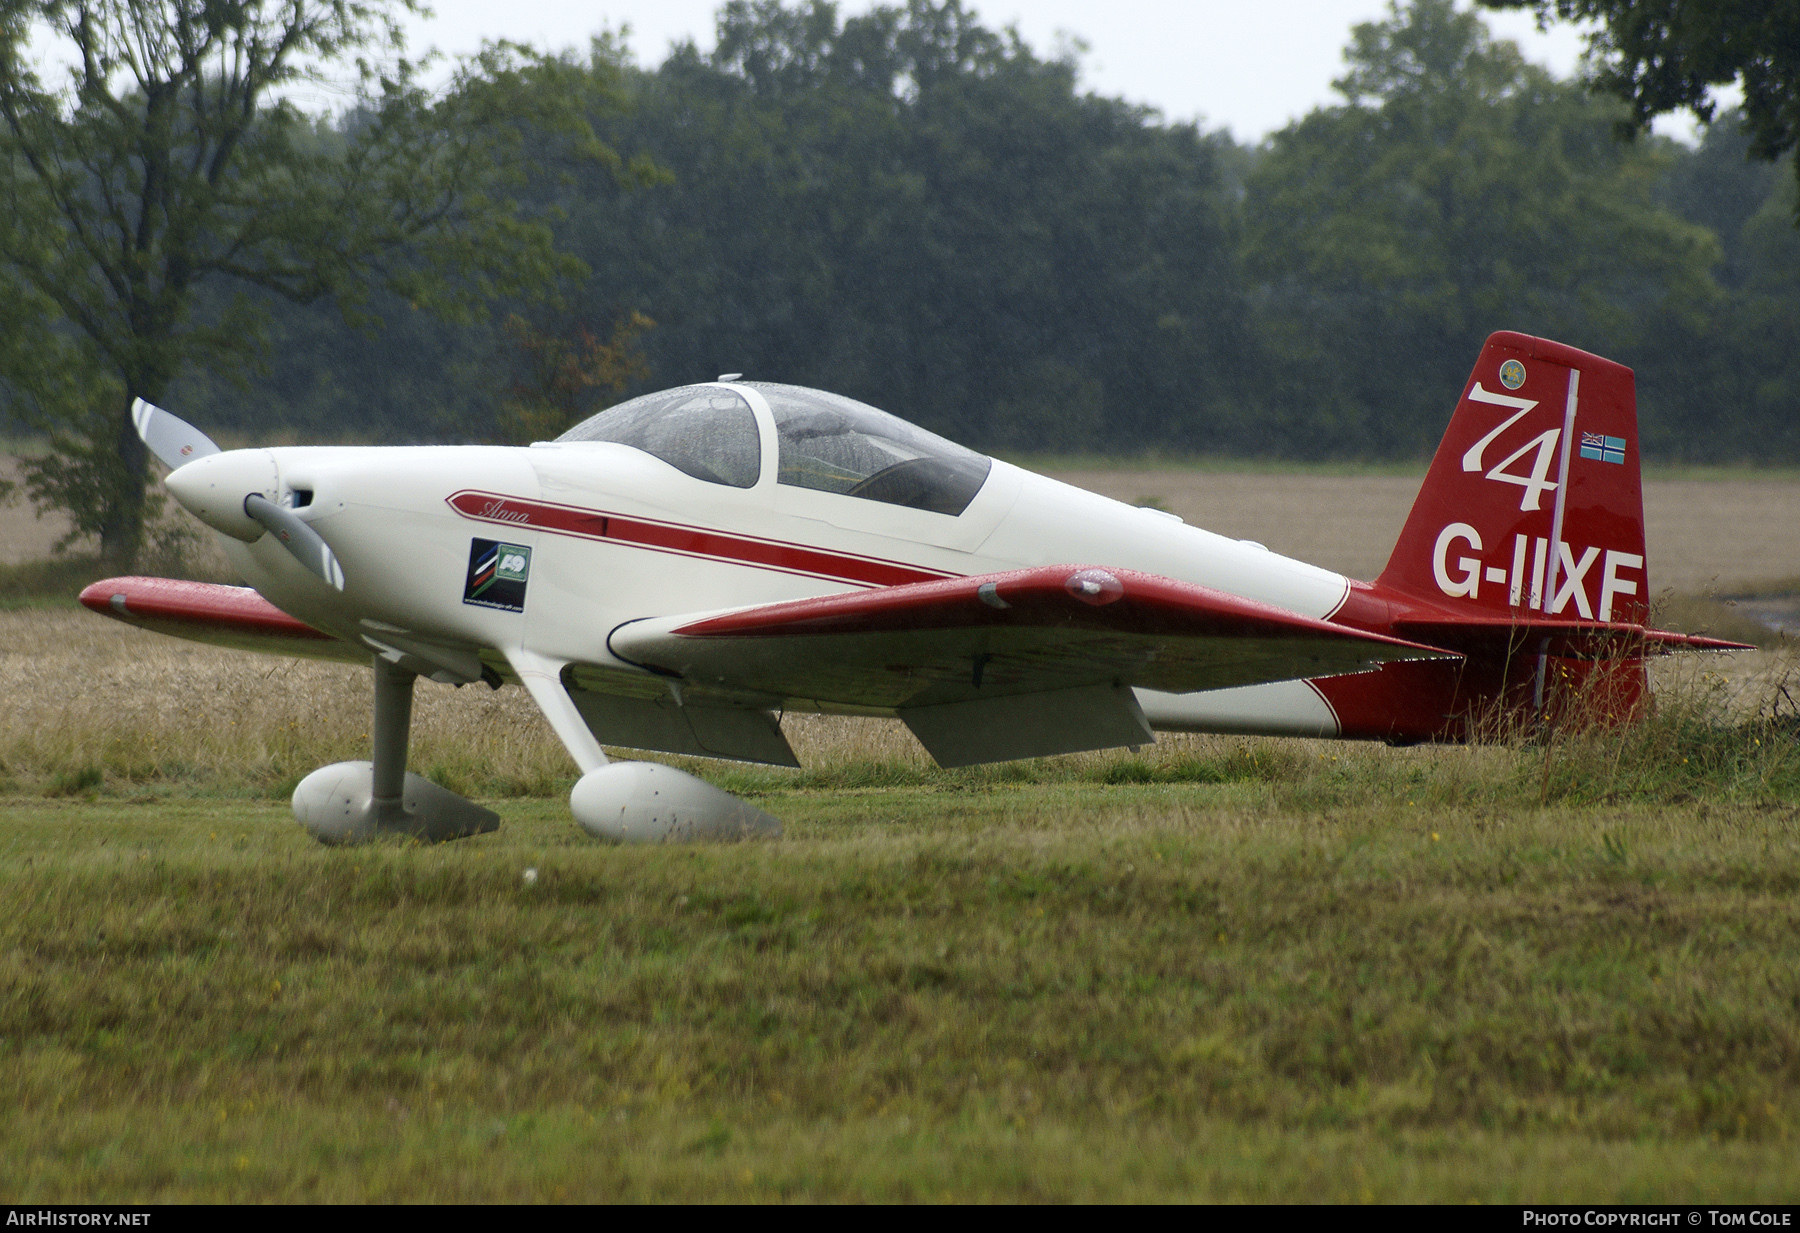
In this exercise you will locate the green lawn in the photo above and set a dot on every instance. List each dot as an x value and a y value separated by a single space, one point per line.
951 989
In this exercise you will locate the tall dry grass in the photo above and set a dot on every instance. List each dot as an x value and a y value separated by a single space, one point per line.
96 703
98 706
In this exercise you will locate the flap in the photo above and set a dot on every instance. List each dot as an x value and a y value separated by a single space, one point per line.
1005 727
664 724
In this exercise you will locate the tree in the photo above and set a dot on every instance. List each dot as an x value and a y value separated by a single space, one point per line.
1735 397
1458 190
919 211
1665 55
559 372
901 205
172 157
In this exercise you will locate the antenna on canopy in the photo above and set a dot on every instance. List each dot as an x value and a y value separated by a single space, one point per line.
730 376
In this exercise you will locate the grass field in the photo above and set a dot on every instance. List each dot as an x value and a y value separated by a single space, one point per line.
1218 969
1044 991
1726 531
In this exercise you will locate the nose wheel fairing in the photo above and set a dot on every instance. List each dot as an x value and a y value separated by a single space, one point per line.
336 805
347 802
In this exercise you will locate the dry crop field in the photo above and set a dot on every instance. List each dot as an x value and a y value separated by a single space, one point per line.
1716 533
1217 969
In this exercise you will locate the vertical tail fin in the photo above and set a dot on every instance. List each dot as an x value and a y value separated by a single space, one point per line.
1533 507
1524 551
1529 526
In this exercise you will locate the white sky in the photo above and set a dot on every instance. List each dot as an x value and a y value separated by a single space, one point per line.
1250 67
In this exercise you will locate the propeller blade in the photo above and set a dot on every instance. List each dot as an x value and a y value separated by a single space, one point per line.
174 441
300 539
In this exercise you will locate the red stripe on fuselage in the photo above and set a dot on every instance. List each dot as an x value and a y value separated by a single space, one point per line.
687 541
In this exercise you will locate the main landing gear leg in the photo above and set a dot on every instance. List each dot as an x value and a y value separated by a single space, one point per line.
351 801
634 802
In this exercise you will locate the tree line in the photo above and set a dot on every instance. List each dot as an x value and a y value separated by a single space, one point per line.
925 213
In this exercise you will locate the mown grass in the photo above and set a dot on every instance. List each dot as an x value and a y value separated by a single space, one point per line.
1559 968
1023 992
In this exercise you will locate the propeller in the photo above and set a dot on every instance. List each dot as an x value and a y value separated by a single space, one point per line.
177 443
298 538
174 441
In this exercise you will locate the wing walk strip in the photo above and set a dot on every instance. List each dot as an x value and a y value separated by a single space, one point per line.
688 541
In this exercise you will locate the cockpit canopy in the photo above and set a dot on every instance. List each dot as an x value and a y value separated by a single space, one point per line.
826 442
701 430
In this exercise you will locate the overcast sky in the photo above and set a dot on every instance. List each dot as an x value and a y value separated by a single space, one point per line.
1250 67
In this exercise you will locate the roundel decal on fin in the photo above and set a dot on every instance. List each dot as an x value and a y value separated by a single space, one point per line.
1512 374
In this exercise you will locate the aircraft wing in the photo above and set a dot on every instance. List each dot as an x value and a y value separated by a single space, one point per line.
1008 665
207 612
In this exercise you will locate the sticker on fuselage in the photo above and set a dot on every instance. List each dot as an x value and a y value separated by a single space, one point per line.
497 575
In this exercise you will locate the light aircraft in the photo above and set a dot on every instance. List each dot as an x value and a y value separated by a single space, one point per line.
678 571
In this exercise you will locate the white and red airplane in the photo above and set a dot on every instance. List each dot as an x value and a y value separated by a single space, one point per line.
678 571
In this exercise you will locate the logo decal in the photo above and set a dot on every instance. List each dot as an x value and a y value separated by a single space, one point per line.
1512 374
1602 448
497 575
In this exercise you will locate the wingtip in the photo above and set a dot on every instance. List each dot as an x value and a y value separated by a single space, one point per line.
97 596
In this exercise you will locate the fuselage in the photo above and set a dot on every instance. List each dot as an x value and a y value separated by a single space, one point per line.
611 534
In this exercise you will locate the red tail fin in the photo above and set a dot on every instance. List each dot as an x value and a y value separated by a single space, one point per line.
1542 451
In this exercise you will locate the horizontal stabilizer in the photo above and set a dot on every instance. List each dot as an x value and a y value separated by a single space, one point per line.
1566 639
